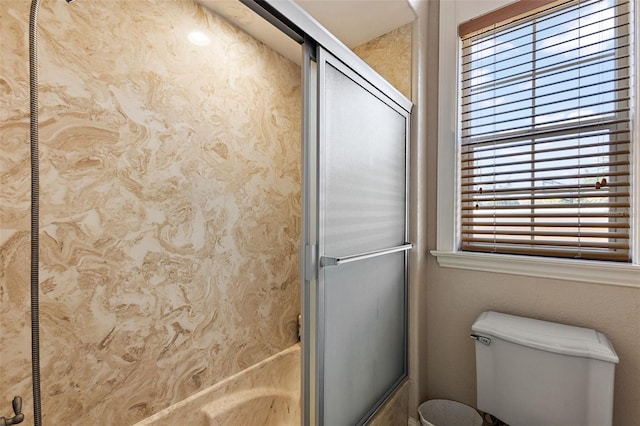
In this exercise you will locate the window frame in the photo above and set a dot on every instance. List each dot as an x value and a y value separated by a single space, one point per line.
452 13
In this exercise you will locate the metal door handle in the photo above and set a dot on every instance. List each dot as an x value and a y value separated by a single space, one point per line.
335 261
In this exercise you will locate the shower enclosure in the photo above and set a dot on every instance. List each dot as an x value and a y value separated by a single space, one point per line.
172 199
355 287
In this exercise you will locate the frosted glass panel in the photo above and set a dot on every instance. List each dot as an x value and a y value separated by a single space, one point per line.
363 209
364 161
364 343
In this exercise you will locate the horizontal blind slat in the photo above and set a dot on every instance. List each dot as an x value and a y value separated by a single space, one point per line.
567 196
585 234
544 215
550 122
544 178
576 167
546 160
543 132
547 104
549 206
472 154
547 75
504 224
544 190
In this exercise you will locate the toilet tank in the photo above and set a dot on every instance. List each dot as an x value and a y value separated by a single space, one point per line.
532 372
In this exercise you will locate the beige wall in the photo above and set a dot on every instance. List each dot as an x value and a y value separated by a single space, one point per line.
451 300
170 206
455 298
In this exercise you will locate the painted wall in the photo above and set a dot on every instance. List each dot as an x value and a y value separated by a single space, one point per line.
454 298
170 206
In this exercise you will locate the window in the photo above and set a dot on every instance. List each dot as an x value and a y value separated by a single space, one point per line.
538 156
545 133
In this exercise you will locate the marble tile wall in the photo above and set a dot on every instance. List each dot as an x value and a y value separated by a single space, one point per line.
390 56
170 206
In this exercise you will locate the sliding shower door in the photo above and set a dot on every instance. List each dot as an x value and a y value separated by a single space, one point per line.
355 296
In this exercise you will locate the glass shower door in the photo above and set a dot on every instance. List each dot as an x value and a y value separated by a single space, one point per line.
355 297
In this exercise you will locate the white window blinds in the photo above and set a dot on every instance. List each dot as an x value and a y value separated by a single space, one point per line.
545 132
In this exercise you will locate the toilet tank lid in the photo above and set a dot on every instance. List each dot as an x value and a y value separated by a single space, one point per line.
546 336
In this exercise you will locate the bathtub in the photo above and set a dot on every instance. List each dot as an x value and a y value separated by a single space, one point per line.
266 394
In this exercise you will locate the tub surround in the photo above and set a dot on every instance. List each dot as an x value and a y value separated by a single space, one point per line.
170 206
266 394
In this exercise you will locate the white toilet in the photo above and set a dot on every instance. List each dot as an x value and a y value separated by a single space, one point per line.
532 372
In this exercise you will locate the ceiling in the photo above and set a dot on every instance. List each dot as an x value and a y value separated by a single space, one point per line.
354 22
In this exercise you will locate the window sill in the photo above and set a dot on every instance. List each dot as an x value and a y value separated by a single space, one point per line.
609 273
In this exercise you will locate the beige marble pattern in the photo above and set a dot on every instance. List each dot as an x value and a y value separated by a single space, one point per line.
266 394
170 206
390 56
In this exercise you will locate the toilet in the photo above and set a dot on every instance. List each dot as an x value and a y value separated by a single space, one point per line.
532 372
